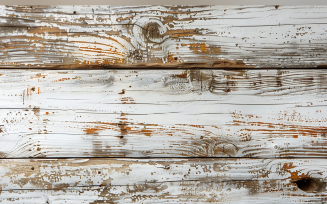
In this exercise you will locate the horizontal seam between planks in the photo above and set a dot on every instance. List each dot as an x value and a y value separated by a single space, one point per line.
168 68
154 158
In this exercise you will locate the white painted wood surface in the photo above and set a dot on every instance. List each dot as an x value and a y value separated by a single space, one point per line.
171 131
161 180
163 113
162 36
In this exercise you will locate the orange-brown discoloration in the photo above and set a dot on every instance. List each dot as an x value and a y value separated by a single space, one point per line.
230 63
62 79
146 132
183 75
127 100
293 131
106 59
294 174
173 59
202 48
30 90
102 60
180 25
123 128
48 30
94 130
287 130
181 33
12 15
39 75
125 18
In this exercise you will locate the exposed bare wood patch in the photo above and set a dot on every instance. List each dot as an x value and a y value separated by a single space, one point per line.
160 113
186 117
162 180
65 37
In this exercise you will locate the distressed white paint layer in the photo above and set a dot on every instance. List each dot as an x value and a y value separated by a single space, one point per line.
160 113
257 36
160 180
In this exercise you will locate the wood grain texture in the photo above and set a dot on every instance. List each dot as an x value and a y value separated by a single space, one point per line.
163 180
163 113
61 37
171 131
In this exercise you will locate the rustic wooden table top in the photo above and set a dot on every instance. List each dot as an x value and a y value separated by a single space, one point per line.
163 104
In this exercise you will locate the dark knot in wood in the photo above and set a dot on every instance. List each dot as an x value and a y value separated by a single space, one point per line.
153 33
225 148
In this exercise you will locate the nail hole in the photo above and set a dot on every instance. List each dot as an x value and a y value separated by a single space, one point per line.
121 137
99 172
32 168
307 184
276 7
74 12
227 90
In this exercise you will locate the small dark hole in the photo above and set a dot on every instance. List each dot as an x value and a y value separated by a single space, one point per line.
201 137
175 58
307 184
74 12
276 7
121 137
227 90
99 172
167 167
32 168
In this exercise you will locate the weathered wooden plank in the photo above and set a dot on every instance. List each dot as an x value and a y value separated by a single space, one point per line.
163 180
163 113
162 36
